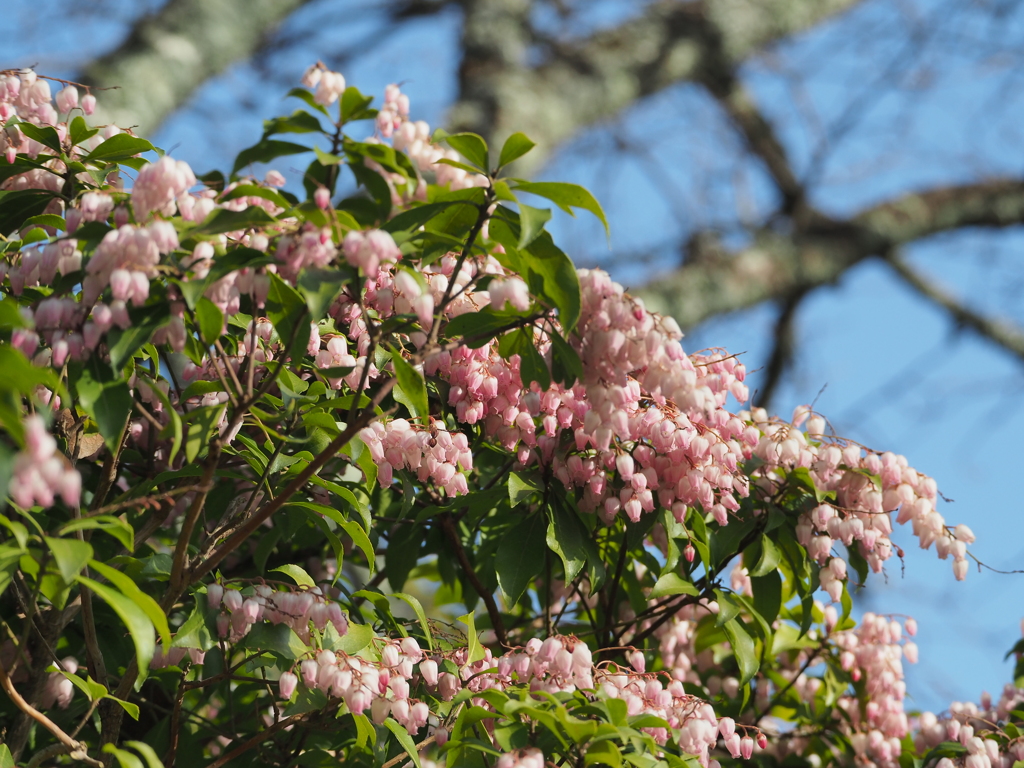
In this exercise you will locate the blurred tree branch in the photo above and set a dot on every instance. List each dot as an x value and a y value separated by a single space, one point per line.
171 53
777 264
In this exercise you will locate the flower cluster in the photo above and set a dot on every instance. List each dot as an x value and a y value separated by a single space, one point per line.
296 609
40 473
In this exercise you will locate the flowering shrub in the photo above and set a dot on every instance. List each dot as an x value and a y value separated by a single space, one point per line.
238 423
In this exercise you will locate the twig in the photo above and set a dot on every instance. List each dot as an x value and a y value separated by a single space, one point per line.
76 749
259 738
448 527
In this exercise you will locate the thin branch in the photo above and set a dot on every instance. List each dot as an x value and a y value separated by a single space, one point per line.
783 350
448 527
1006 335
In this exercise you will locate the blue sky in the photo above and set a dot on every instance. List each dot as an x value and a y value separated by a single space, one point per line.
885 366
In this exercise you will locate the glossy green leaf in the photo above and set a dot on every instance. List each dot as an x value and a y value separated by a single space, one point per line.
421 615
211 320
412 384
471 147
743 649
18 205
279 639
475 651
531 222
520 557
109 524
124 758
565 537
565 196
405 740
266 150
673 584
202 424
144 749
139 625
131 590
296 574
44 134
521 486
71 556
769 559
320 288
767 595
117 148
515 146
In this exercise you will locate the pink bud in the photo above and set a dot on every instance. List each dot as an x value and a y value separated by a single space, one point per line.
322 197
746 747
428 668
88 103
440 736
233 600
762 741
637 661
689 553
67 98
286 684
214 594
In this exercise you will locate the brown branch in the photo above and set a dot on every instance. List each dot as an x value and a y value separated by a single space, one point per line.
399 758
776 265
448 527
783 350
259 738
76 749
1006 335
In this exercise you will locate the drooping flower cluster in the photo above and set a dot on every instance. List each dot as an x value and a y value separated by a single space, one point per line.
40 474
434 454
296 609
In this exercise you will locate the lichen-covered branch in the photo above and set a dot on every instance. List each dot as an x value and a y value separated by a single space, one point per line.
776 265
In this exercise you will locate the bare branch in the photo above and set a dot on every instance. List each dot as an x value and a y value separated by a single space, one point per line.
169 54
776 264
1006 335
588 81
783 350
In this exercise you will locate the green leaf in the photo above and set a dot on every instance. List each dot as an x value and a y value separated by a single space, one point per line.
18 205
532 221
566 366
515 146
114 526
412 384
194 633
532 366
47 220
211 320
767 595
79 131
131 590
565 196
673 584
421 615
223 220
471 147
124 757
416 217
117 148
743 649
296 574
152 759
354 105
405 740
358 637
287 310
71 556
456 164
266 150
475 650
202 423
565 537
520 486
276 638
479 327
603 753
124 343
520 557
306 96
300 121
320 288
769 559
139 625
44 134
6 758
